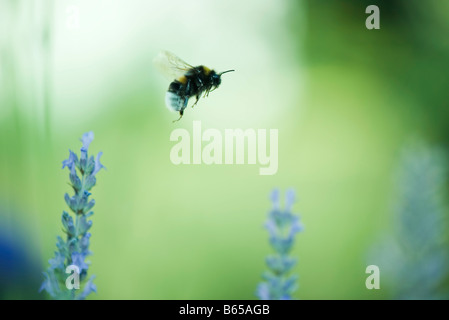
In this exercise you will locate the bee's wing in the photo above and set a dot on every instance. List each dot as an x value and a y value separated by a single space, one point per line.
170 65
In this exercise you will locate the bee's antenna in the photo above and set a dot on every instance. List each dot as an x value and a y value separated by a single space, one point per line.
225 72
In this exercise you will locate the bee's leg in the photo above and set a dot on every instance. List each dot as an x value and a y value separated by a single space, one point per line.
187 89
199 82
180 116
197 98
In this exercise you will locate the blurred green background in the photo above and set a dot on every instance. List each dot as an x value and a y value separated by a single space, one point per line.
344 99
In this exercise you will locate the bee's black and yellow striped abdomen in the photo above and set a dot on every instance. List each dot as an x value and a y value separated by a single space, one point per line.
175 99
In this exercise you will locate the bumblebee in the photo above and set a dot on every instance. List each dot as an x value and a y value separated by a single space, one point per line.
189 81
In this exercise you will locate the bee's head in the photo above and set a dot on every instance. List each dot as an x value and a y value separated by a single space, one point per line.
216 78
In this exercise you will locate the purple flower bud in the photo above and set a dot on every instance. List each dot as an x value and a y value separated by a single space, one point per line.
57 262
289 199
86 139
88 288
71 161
271 227
295 227
275 198
78 260
98 164
263 291
74 179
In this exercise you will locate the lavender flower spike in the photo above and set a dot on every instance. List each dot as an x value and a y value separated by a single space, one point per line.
75 249
282 226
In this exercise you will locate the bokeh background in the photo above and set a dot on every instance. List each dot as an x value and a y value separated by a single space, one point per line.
346 100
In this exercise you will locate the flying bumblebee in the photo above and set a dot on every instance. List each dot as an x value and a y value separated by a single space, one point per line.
189 81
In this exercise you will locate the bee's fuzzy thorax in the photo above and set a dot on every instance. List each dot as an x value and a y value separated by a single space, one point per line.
206 70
